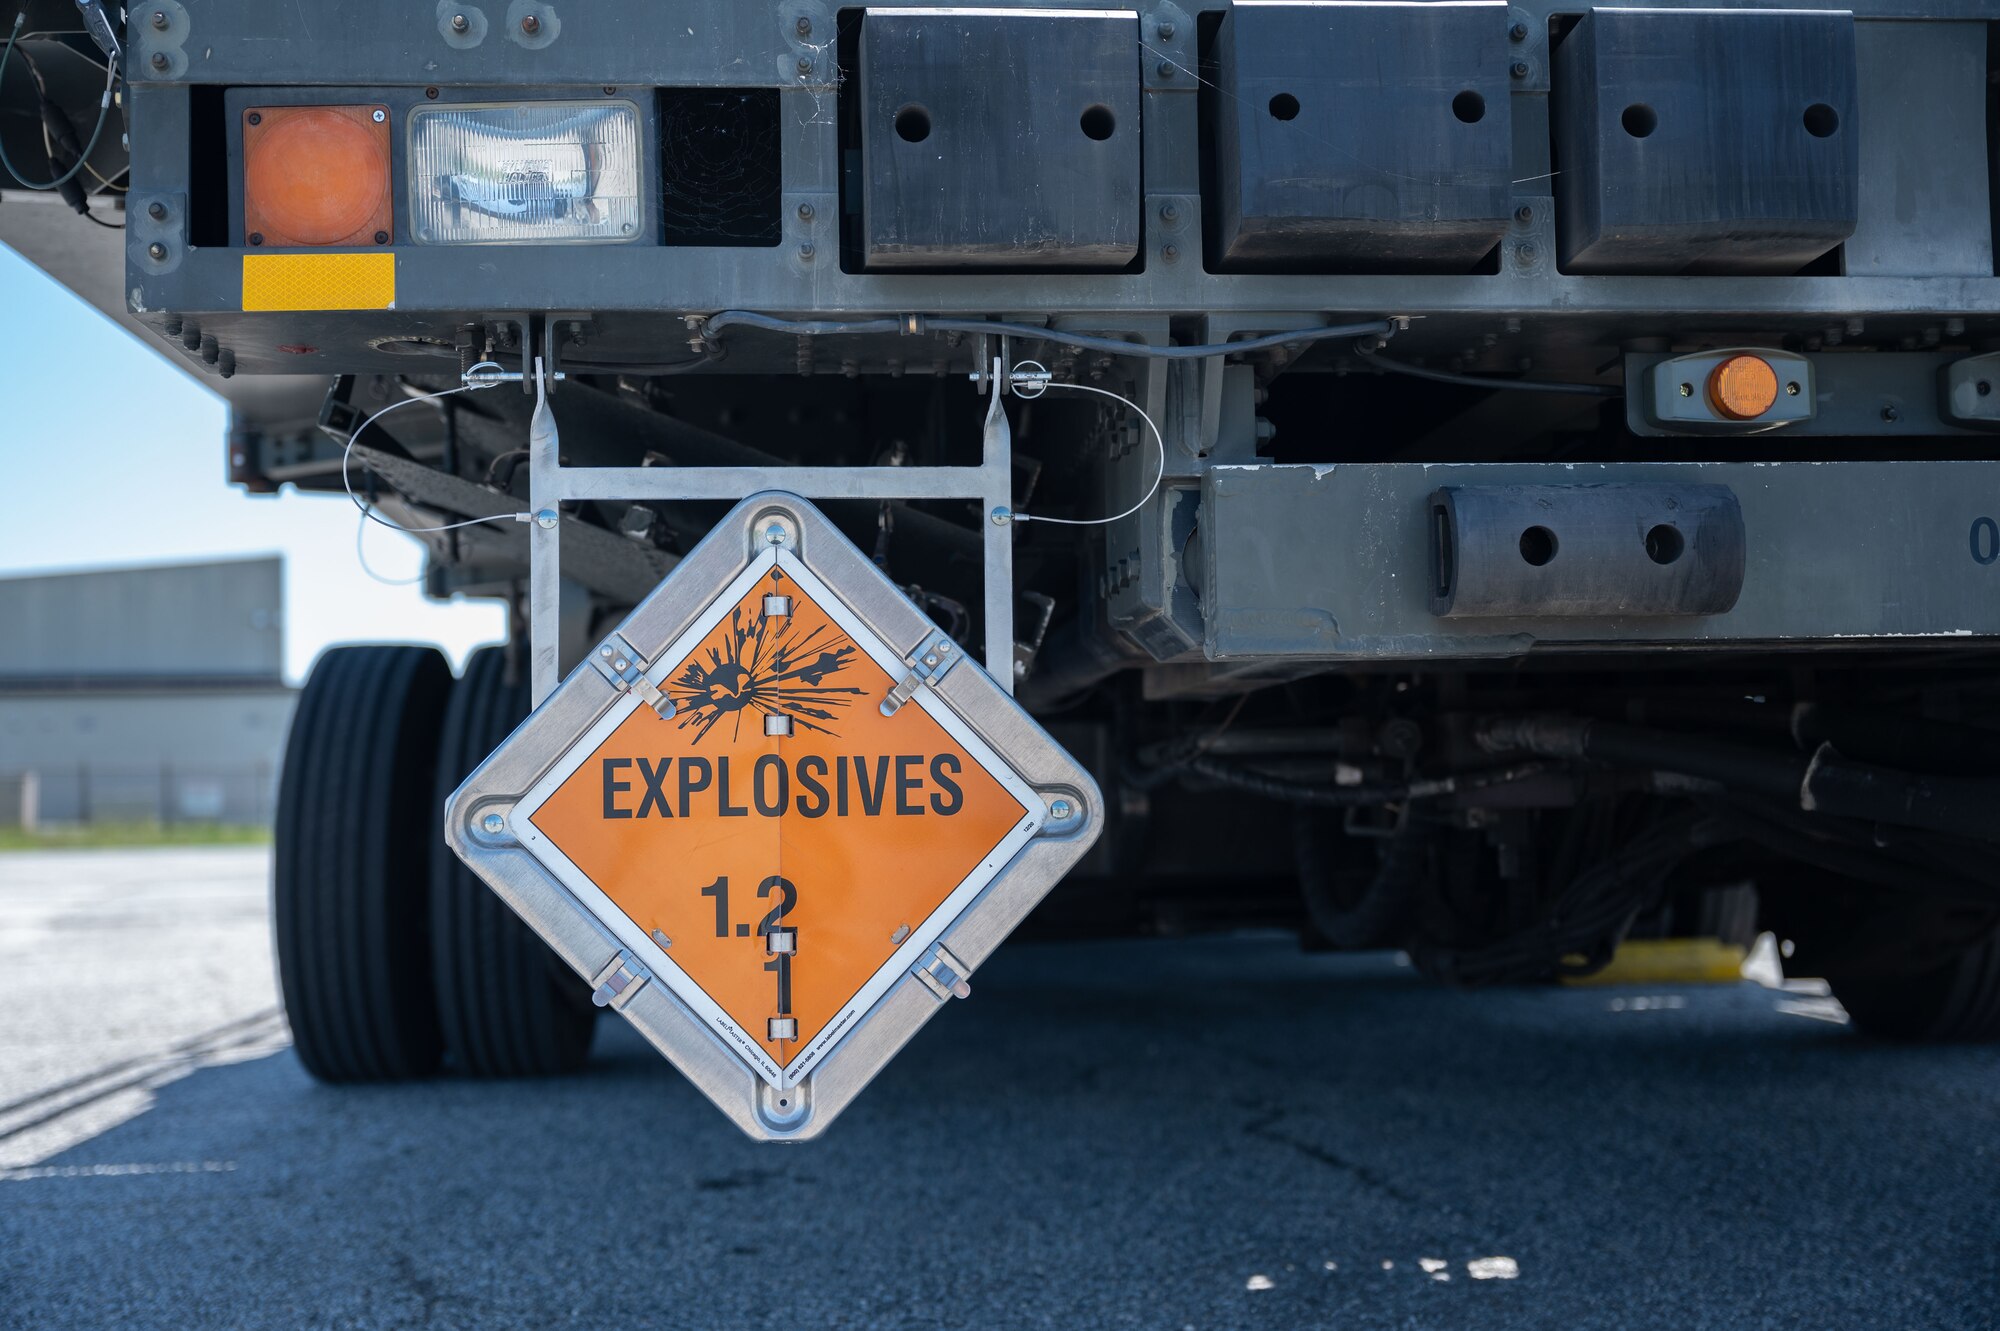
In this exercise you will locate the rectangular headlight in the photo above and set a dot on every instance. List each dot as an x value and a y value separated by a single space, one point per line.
525 173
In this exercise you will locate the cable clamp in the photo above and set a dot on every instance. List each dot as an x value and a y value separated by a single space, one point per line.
1029 374
626 671
943 974
621 977
933 659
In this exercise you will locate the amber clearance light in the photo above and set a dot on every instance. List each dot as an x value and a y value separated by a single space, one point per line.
316 176
1742 388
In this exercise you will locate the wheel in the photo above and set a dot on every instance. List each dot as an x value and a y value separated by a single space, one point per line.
1359 893
351 868
509 1006
1959 1000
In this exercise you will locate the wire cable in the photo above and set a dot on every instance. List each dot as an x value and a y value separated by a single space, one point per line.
361 557
1145 351
1160 475
367 512
103 114
1374 357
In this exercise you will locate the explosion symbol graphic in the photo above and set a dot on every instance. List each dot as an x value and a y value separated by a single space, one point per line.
762 665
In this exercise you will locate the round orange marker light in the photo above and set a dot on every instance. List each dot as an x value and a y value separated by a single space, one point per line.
316 175
1742 388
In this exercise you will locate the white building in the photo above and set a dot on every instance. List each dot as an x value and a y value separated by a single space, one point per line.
143 694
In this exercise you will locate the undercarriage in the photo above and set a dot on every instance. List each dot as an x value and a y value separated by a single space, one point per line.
1533 492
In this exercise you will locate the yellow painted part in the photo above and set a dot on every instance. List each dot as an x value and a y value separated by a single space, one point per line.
1671 961
363 281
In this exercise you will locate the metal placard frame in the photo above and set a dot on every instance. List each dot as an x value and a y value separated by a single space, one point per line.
480 826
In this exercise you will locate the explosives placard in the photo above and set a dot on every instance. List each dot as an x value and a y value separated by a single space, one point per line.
779 799
776 818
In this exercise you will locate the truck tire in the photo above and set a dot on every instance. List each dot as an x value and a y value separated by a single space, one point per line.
350 872
1958 1001
508 1005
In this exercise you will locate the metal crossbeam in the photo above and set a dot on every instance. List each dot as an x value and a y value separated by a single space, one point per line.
550 483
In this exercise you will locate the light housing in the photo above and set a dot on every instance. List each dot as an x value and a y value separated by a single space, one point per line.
500 173
317 176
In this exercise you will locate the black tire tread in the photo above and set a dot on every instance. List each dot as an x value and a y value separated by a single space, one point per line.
349 876
508 1006
1959 1001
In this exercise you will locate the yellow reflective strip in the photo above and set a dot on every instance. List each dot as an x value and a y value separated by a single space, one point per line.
365 281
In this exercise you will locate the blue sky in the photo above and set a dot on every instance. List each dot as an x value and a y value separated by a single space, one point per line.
114 457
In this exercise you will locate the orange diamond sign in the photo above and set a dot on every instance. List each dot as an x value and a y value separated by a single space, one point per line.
787 841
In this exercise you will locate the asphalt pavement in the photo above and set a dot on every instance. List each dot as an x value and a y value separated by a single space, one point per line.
1210 1133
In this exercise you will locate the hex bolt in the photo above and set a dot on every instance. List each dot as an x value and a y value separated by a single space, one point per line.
806 251
531 25
159 60
1169 212
157 211
1518 33
1891 415
1525 253
546 519
156 251
159 20
1166 32
804 27
1524 214
493 823
1166 69
805 212
805 66
1170 253
1519 69
460 23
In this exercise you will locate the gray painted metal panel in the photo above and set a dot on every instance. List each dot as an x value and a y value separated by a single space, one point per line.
1925 202
1333 562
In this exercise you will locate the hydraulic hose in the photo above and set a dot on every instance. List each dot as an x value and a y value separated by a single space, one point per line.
1823 782
915 325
